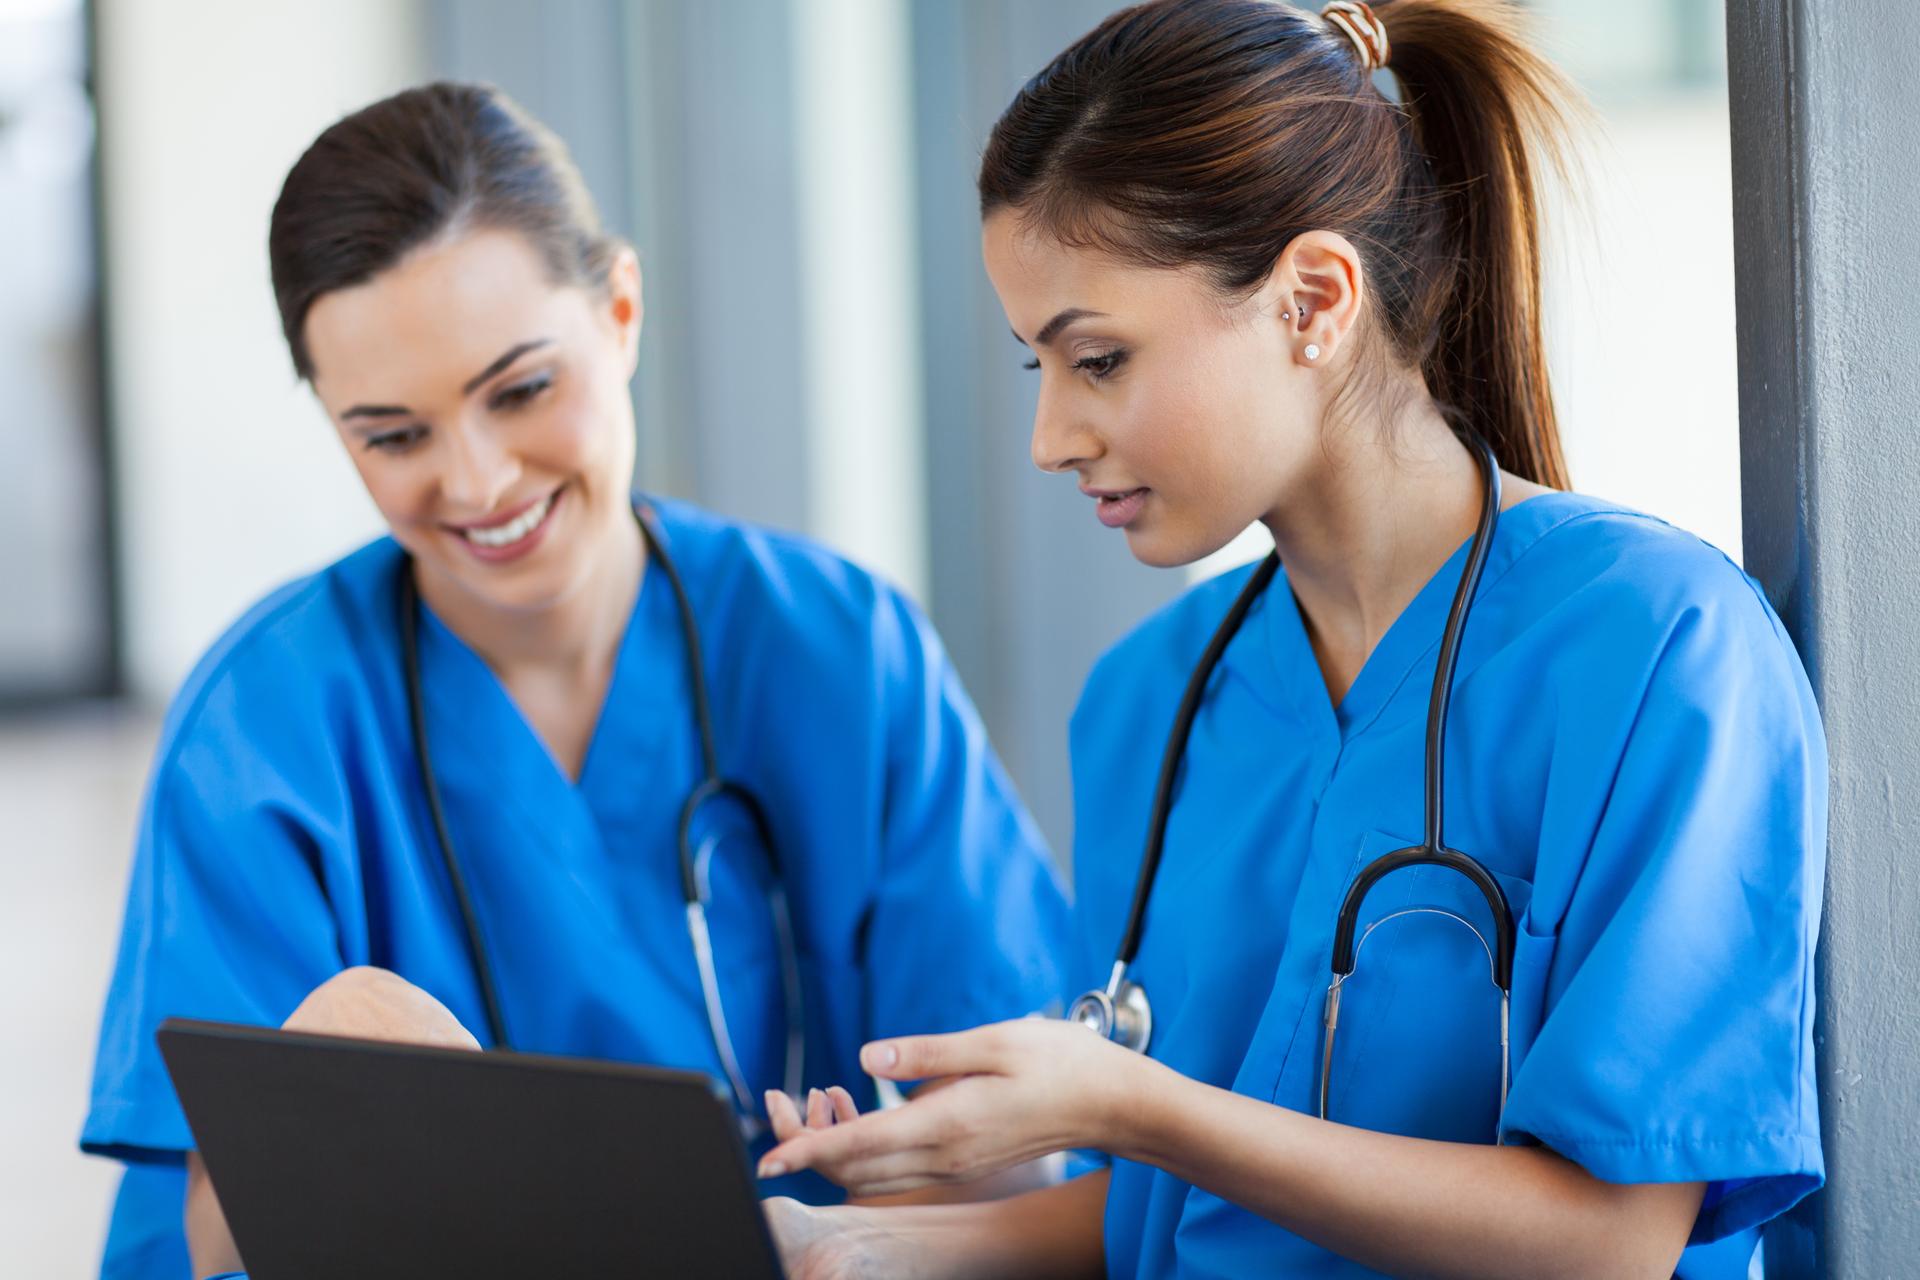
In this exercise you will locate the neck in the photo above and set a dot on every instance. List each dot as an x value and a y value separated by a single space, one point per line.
577 636
1364 532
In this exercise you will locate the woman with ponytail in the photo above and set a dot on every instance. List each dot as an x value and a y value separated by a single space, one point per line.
1256 287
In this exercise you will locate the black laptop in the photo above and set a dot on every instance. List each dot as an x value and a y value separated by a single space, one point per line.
335 1157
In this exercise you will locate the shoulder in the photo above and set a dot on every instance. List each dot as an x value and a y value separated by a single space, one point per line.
1154 658
1599 553
760 578
286 656
1603 588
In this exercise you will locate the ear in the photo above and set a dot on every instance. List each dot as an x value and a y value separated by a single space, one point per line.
624 304
1317 287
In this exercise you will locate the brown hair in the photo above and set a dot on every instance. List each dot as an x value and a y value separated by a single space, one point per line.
1213 132
391 177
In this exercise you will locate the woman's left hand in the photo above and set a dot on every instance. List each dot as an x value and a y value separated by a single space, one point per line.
1003 1094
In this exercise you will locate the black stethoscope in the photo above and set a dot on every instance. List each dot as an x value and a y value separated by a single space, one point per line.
695 856
1121 1012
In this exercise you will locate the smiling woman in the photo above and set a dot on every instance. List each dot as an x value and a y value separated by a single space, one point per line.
445 286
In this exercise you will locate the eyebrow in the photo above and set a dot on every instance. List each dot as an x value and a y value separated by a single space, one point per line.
505 359
1051 329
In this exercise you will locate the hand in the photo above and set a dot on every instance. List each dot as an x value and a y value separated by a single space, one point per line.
825 1108
840 1243
1019 1090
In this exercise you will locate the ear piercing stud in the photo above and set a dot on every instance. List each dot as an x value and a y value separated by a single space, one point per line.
1312 352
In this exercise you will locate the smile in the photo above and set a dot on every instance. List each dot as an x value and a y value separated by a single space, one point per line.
514 536
505 535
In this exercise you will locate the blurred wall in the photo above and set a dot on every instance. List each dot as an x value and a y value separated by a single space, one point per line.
55 611
230 479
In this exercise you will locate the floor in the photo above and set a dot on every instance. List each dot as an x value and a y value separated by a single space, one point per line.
69 791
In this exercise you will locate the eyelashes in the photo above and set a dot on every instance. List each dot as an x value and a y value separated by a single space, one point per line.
520 393
1097 367
396 441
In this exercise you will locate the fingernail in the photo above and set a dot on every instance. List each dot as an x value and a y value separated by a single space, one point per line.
772 1169
878 1057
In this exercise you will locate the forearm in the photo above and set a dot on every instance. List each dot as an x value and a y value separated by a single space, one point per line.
1057 1231
1406 1206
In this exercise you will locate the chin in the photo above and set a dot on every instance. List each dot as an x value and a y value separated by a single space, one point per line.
523 589
1153 543
1157 550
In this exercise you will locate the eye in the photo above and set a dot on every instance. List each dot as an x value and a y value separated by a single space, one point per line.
397 441
1030 364
520 393
1103 365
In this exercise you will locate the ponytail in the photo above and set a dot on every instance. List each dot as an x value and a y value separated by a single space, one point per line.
1215 132
1486 111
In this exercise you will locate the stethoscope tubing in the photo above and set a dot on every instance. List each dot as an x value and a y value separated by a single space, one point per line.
712 785
1170 760
1121 1010
443 837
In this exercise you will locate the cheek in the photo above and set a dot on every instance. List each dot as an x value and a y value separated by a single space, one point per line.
1186 429
581 428
401 492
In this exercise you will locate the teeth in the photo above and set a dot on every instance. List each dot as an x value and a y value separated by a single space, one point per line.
513 530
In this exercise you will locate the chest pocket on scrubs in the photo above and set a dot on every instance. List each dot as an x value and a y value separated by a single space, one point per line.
1418 1047
737 880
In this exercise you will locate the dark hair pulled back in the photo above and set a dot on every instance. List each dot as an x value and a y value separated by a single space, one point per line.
1214 132
393 176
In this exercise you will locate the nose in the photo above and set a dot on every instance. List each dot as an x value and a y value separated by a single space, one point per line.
477 472
1062 440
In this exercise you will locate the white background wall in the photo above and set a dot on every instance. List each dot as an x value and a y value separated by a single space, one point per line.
230 478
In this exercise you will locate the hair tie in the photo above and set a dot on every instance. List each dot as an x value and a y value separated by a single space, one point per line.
1368 33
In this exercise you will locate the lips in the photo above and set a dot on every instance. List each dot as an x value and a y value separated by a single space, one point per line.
1118 508
514 532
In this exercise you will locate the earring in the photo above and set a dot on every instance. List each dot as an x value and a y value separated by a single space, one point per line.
1312 352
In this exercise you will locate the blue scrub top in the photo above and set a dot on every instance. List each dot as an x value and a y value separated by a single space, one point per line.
285 836
1633 750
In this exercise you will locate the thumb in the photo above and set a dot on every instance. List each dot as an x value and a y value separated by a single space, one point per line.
926 1057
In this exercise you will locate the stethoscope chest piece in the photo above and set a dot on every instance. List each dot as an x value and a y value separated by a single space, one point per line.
1118 1012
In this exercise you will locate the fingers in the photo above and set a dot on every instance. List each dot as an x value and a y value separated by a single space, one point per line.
783 1115
825 1108
827 1150
924 1057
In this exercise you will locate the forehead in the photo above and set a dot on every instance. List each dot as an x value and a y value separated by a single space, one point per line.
435 318
1037 275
